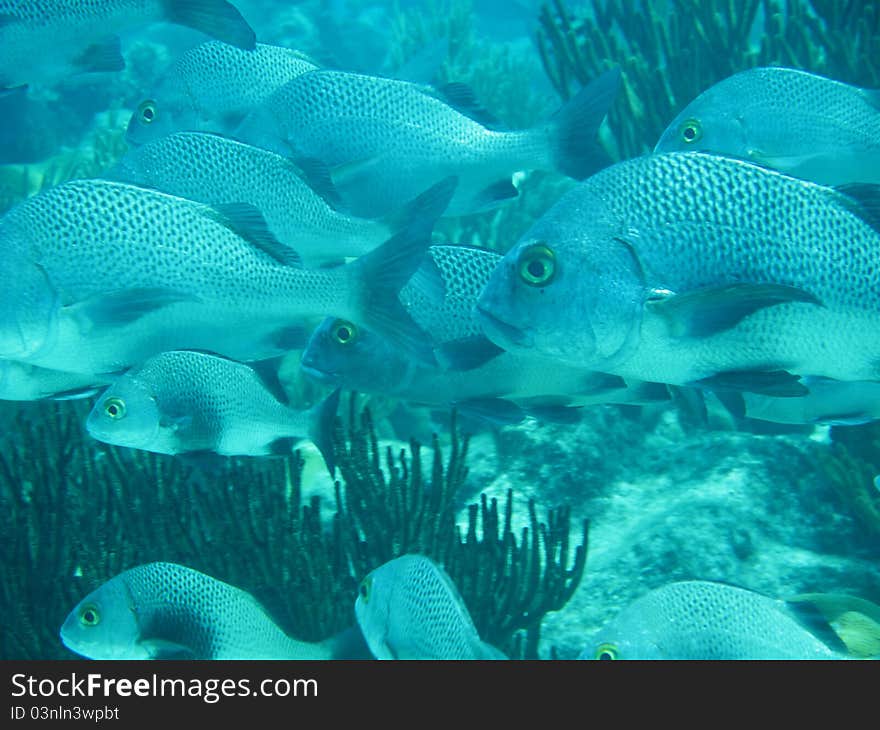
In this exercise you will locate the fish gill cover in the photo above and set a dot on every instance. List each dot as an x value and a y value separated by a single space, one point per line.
762 476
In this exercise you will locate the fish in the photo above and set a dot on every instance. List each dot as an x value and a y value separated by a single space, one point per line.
827 402
409 608
212 87
505 389
697 270
793 121
382 140
708 620
23 382
105 274
164 610
221 170
182 401
42 41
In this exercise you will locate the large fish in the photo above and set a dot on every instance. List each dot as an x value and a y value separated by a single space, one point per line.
102 275
169 611
793 121
706 620
181 401
383 140
409 608
221 170
687 268
44 40
212 87
505 389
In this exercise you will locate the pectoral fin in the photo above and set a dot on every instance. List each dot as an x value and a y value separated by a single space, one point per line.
106 55
779 383
164 649
122 307
706 312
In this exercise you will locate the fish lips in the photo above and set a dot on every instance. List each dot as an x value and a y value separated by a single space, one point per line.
502 333
311 369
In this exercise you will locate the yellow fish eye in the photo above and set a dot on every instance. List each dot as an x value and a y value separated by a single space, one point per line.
89 615
691 131
147 112
364 589
344 332
607 652
537 265
114 408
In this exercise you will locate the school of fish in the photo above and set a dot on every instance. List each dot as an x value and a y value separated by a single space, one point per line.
268 204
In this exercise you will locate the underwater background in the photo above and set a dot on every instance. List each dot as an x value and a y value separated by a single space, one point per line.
548 529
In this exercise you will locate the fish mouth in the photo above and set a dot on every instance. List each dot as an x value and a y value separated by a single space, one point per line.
502 332
322 376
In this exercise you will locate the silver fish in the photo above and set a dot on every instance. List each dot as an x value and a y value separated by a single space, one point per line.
107 274
21 381
409 608
44 40
212 87
705 620
827 402
505 389
182 401
796 122
220 170
168 611
686 268
383 140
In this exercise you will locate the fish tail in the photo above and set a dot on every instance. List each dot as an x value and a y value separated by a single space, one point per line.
574 128
217 18
382 273
321 419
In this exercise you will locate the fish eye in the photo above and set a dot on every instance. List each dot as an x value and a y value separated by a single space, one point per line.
114 408
691 131
607 652
344 332
537 265
146 112
89 615
364 589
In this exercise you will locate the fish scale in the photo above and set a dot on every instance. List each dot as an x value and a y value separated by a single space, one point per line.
221 170
663 226
177 277
183 401
706 620
412 610
61 30
791 120
385 139
212 86
165 610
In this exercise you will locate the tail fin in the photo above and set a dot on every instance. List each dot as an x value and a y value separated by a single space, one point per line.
321 428
576 149
217 18
381 273
855 621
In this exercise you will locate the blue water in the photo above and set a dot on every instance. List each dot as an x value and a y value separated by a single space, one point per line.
670 493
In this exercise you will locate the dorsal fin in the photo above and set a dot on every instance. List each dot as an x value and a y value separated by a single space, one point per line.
872 96
863 200
246 221
317 176
462 98
267 371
